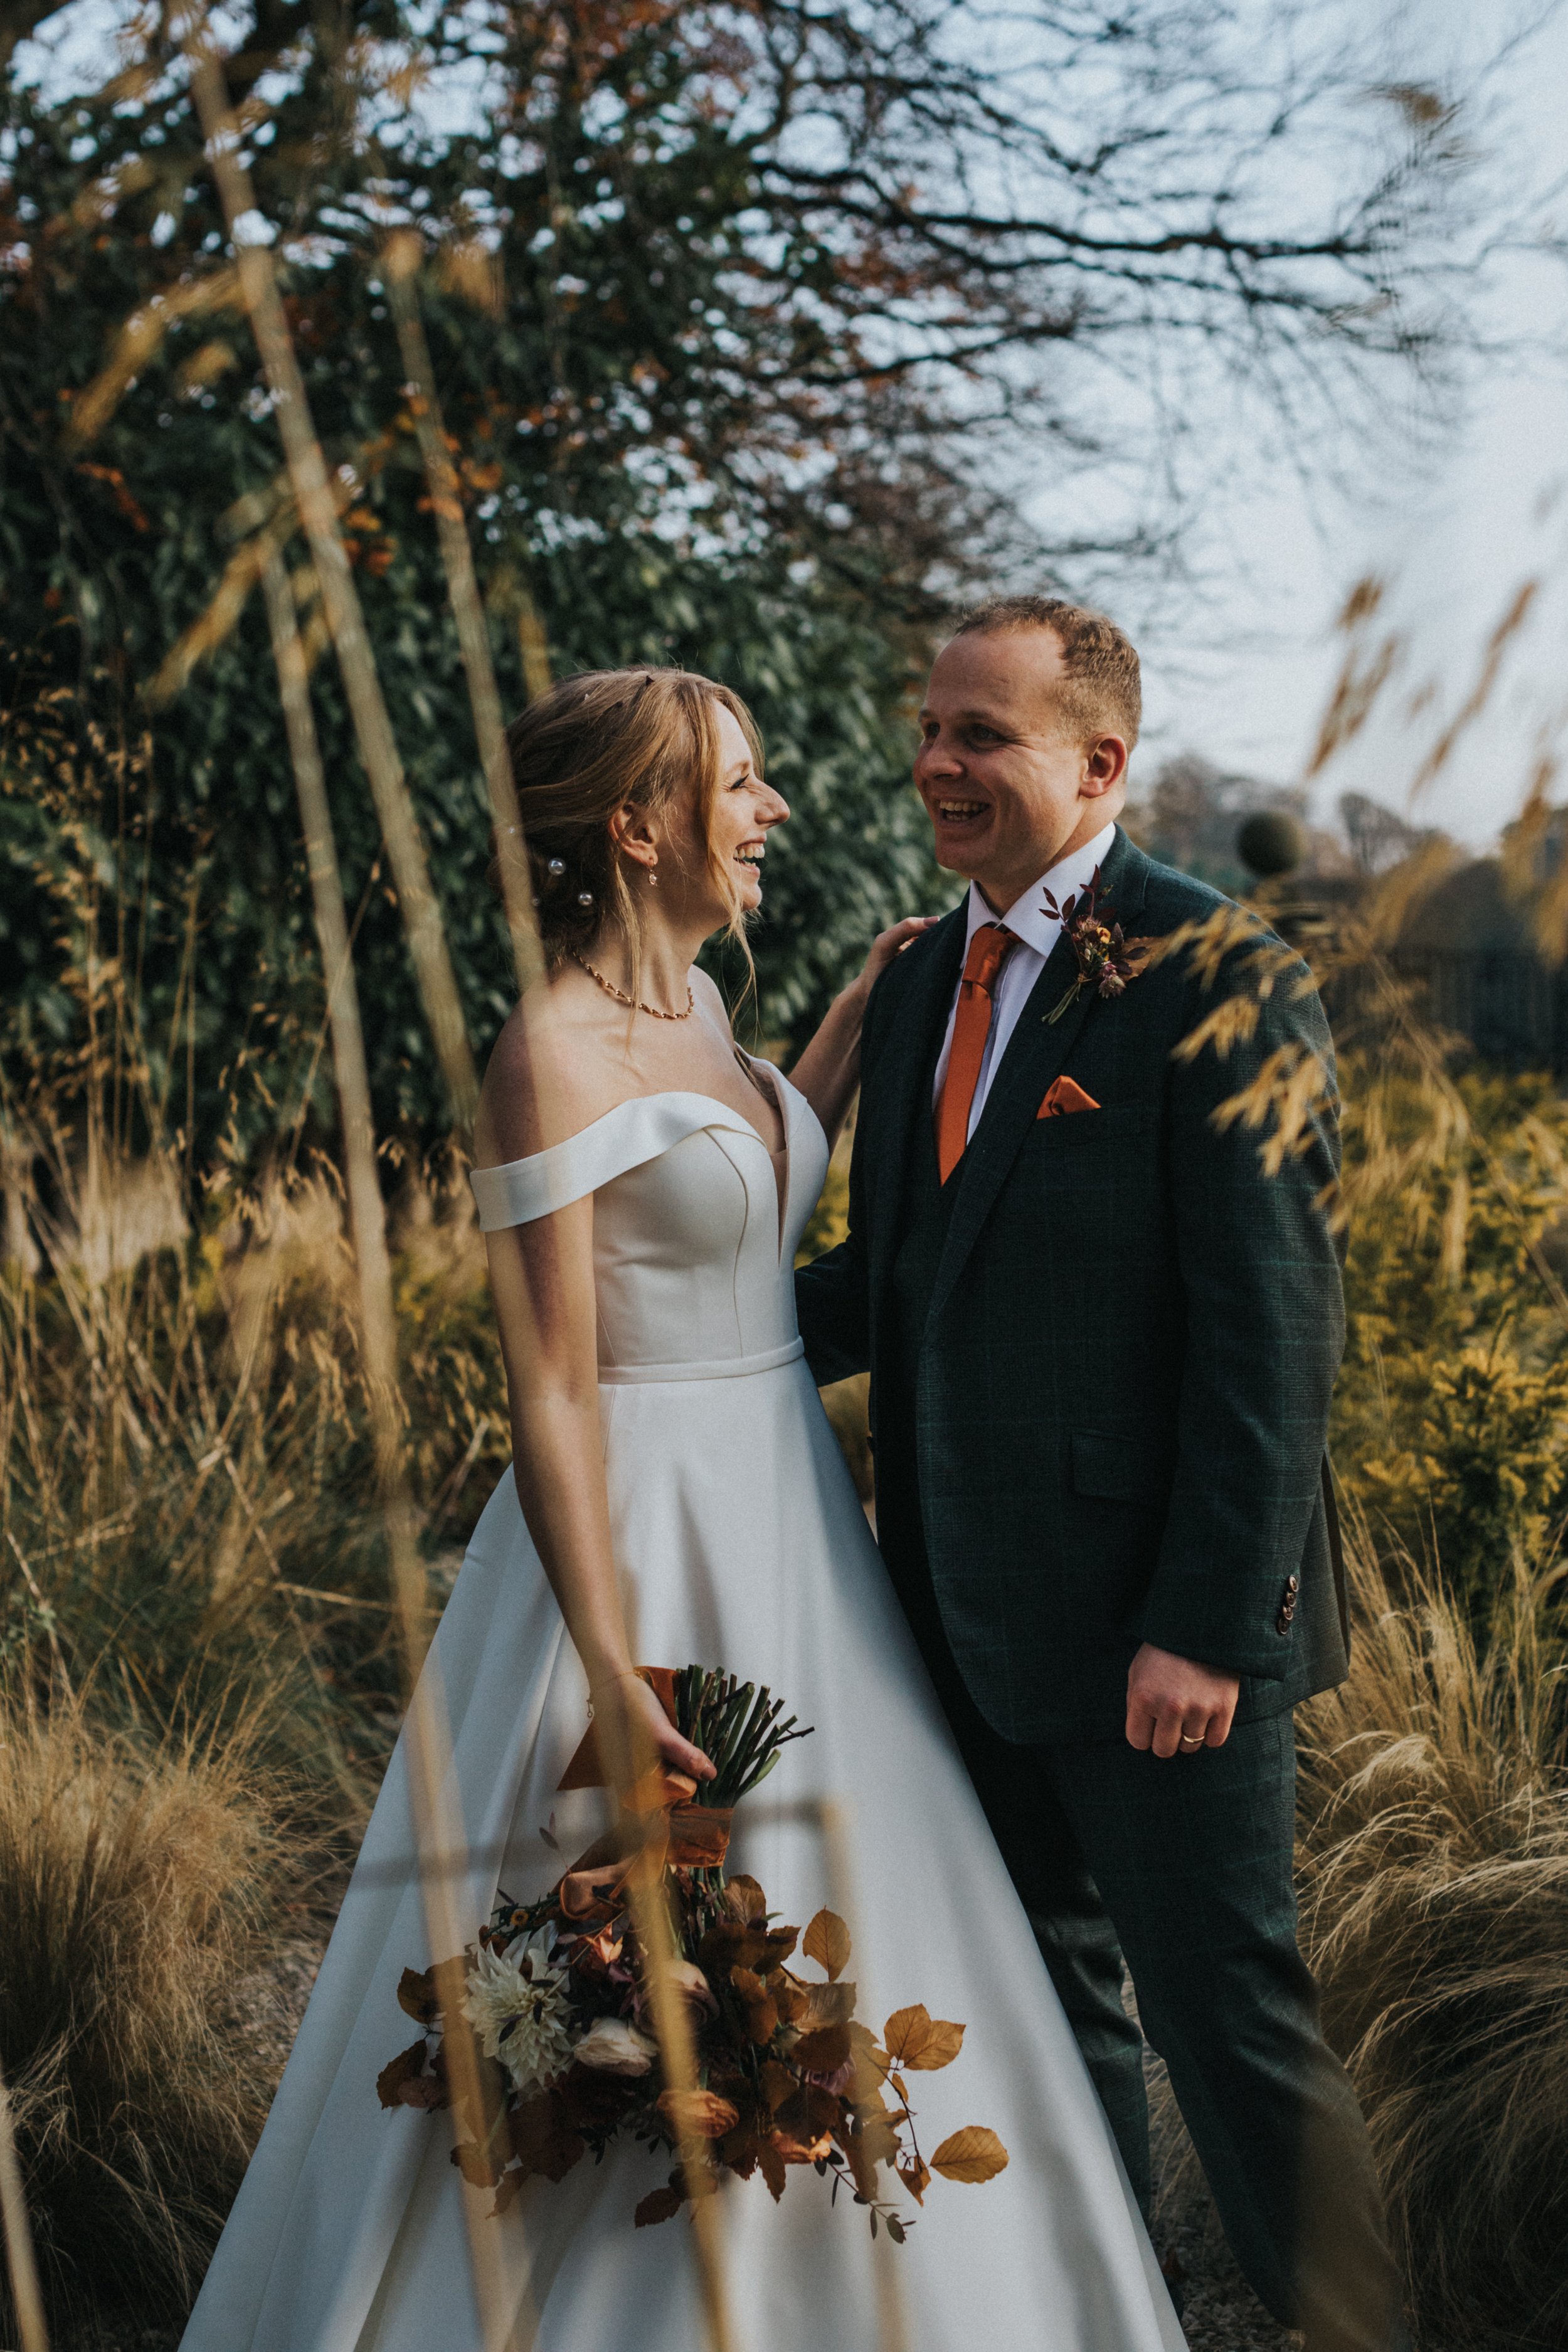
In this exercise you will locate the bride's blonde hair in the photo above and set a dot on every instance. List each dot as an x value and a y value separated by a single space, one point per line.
585 750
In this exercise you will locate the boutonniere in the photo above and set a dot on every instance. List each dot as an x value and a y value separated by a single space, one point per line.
1107 962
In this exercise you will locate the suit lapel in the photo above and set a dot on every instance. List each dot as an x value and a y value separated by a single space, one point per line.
1036 1052
901 1096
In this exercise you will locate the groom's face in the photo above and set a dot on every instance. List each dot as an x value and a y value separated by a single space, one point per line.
1009 787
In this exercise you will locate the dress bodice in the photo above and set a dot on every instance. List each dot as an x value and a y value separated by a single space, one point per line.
693 1259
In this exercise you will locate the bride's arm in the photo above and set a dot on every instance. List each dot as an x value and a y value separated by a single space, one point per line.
828 1071
542 1278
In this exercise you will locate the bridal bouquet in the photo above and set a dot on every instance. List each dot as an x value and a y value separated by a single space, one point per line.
556 1993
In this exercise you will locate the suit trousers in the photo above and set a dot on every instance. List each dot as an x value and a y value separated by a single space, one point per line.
1181 1870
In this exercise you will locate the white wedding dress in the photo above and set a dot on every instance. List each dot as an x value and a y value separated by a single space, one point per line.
742 1544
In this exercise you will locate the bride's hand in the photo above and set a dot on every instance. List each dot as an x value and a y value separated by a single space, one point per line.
636 1735
890 943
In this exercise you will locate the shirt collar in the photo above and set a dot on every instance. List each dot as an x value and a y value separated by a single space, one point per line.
1027 918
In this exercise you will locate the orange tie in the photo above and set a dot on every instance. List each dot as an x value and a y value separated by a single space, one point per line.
988 951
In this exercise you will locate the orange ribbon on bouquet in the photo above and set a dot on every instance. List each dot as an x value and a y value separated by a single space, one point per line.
659 1826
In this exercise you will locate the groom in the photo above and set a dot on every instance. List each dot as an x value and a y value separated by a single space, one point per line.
1102 1341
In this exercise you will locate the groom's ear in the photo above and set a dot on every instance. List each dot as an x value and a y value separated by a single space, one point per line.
1105 762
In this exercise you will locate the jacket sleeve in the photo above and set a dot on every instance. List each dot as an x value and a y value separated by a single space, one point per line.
833 1294
1265 1330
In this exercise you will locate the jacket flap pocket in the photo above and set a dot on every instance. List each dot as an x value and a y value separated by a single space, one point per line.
1115 1469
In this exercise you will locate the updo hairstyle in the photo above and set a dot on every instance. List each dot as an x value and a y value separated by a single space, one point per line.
585 750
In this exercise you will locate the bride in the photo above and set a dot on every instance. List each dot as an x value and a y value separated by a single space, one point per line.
676 1497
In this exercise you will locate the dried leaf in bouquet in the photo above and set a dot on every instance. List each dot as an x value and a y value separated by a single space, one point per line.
973 2153
826 1941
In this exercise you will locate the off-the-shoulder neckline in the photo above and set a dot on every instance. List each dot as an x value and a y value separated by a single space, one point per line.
667 1094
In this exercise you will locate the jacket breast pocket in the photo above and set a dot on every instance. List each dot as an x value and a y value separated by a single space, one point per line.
1125 1128
1110 1469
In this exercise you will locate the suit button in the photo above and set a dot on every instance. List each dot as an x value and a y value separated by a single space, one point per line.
1287 1615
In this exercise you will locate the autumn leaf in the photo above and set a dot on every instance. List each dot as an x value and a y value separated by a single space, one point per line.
862 2166
729 1945
920 2041
778 2085
939 2048
658 2205
807 2115
761 2010
916 2178
826 1941
417 1994
475 2166
781 1942
745 1902
824 2051
506 2195
903 2024
792 2001
738 2150
870 2067
542 2139
701 2114
879 2138
973 2154
771 2162
397 2078
826 2004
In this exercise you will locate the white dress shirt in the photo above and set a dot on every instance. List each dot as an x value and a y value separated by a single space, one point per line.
1036 934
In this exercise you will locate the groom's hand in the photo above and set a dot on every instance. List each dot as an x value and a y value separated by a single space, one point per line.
1170 1700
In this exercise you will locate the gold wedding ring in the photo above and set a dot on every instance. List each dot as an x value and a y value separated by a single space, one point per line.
1187 1741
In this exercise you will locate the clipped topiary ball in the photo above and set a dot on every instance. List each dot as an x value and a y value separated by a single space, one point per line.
1271 843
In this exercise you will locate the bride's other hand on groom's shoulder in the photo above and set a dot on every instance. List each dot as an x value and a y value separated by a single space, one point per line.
1176 1706
886 949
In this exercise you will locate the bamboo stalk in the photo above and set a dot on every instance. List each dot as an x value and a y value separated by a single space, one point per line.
427 1735
25 2295
400 260
317 513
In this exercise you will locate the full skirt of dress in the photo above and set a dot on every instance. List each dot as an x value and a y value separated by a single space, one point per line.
742 1545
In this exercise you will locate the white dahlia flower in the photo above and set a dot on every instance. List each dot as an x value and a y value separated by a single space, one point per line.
517 2006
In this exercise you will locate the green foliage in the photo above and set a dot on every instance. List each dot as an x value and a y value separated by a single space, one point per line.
627 492
720 363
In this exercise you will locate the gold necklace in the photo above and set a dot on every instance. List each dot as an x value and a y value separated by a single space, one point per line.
635 1003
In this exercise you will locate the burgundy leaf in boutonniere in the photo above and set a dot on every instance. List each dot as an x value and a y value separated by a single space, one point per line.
1107 961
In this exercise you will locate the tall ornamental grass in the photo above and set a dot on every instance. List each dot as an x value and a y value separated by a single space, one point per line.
134 1885
1433 1866
187 1507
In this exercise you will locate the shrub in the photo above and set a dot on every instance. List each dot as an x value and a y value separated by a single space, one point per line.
1451 1411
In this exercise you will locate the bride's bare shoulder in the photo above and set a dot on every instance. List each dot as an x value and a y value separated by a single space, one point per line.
552 1072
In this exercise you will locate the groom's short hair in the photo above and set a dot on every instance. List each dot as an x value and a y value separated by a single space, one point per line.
1103 693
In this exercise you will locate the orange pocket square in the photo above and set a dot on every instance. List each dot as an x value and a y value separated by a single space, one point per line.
1064 1094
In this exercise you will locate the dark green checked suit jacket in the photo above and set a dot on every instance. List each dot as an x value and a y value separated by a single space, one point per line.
1115 1411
